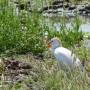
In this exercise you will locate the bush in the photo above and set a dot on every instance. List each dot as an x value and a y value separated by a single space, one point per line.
20 34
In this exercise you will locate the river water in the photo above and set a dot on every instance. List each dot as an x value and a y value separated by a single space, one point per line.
54 22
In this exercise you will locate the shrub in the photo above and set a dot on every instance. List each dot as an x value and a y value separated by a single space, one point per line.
20 34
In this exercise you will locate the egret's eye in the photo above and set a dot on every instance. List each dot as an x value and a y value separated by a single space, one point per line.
51 41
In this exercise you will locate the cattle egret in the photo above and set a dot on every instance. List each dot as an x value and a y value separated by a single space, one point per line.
65 58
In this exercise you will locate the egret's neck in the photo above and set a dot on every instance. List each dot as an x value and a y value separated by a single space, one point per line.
53 48
55 45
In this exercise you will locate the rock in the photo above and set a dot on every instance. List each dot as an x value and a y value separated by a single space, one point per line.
16 2
57 2
25 65
67 1
83 9
66 5
22 71
87 7
51 7
15 65
72 8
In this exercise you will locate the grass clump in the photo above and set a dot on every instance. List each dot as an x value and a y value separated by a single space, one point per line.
20 34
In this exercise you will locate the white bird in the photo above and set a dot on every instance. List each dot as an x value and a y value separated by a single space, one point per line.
65 58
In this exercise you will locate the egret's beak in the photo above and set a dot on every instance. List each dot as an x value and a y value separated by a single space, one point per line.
49 45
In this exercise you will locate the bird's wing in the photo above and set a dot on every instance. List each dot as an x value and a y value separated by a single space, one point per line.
64 55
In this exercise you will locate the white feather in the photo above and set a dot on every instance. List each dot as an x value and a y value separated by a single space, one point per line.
64 57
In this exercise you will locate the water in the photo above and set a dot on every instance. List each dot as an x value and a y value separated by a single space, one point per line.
87 44
85 27
54 22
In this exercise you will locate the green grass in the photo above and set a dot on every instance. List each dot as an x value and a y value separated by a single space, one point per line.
17 40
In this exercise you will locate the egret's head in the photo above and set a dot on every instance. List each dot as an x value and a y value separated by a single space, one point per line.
54 43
